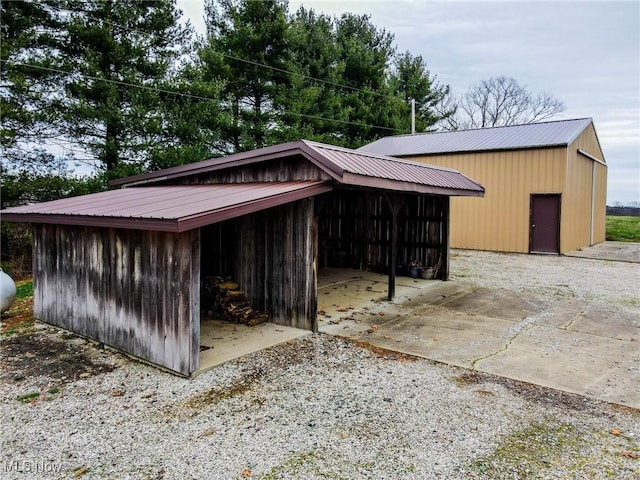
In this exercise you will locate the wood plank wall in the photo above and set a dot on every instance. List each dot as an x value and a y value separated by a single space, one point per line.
280 170
135 290
276 266
355 231
271 255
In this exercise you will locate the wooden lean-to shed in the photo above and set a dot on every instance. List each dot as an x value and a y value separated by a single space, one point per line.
546 183
125 267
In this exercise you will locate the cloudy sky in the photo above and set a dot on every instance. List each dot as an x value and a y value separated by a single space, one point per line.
586 53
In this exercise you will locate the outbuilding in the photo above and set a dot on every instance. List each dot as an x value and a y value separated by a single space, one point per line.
546 183
125 267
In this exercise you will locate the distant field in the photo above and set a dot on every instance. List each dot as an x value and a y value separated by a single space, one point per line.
623 229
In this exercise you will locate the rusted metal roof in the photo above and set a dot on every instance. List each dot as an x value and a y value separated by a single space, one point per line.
168 208
534 135
345 166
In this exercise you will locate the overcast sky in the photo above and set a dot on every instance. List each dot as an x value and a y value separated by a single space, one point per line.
585 53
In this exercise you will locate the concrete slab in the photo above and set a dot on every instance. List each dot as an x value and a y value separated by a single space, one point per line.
497 303
615 323
576 345
222 341
614 251
575 362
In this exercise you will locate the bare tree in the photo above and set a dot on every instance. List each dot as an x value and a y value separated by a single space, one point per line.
502 101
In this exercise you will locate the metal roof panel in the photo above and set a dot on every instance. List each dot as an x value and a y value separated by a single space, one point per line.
394 169
533 135
398 174
167 208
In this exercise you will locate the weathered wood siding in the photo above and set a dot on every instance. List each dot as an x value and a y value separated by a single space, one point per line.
281 170
135 290
271 255
355 230
275 263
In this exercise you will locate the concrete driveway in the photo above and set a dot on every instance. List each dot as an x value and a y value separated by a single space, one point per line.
571 344
613 251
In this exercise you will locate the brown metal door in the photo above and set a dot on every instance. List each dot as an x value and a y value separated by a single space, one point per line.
544 226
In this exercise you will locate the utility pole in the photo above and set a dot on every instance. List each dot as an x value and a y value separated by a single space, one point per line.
413 116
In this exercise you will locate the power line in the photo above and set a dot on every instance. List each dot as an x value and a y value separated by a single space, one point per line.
182 94
239 59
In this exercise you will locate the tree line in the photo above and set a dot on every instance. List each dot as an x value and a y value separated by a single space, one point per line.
131 88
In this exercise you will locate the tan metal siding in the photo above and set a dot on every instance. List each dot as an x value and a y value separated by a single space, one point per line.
583 181
600 206
576 204
500 220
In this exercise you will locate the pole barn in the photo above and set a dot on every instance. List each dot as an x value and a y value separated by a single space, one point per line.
546 183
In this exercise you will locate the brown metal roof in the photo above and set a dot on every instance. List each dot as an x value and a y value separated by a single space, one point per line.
168 208
366 169
348 167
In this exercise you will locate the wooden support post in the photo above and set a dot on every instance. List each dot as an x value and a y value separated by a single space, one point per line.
394 204
314 234
364 254
445 237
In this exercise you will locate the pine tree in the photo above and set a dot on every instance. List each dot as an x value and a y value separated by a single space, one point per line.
111 49
242 37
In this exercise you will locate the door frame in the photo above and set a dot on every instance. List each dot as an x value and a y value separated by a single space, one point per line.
531 196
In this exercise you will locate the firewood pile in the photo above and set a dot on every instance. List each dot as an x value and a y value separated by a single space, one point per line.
222 298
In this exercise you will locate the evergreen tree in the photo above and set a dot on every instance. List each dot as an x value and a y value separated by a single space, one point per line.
243 36
26 39
313 54
364 56
411 79
191 121
111 48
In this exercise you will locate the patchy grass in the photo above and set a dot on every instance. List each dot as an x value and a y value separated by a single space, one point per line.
532 452
623 229
24 289
35 397
28 398
19 318
211 396
381 352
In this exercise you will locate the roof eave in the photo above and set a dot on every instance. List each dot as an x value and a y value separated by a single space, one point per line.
158 225
396 185
175 225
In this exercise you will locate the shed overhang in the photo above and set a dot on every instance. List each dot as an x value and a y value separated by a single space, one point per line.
353 179
168 208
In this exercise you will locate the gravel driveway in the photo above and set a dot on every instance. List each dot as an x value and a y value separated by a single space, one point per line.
316 407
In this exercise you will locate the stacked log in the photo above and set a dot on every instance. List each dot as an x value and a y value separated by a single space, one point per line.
223 298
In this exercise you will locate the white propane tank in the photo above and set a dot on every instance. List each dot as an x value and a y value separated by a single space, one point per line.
7 291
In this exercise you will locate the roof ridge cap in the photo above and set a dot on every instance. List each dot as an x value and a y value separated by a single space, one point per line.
483 128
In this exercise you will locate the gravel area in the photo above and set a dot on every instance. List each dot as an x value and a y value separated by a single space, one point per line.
316 407
616 283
